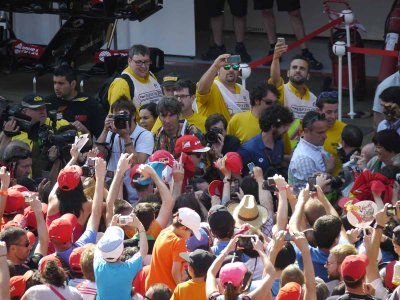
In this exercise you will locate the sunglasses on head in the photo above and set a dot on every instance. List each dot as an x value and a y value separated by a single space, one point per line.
235 67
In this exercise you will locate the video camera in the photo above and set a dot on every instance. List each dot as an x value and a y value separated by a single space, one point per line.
212 135
24 122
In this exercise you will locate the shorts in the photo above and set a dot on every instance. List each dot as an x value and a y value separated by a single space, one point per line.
216 7
283 5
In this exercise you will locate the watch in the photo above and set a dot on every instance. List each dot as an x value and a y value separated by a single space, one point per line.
377 226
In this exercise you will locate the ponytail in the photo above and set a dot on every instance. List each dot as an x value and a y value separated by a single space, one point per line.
230 292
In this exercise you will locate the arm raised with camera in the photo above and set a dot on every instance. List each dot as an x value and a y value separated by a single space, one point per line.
211 279
309 275
264 195
282 212
124 165
280 49
54 204
297 221
97 205
263 291
43 234
205 82
167 201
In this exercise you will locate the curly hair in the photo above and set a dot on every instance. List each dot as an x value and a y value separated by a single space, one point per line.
54 275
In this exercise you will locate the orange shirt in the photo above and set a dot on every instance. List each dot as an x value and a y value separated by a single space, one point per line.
165 252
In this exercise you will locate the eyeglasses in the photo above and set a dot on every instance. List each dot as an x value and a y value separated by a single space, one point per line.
307 123
330 94
140 63
26 245
234 67
181 96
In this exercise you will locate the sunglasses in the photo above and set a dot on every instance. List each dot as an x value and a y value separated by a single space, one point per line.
235 67
330 94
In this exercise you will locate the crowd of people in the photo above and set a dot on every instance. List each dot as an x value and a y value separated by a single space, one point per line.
185 190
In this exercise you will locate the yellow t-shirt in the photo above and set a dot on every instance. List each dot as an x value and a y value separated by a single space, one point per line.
23 136
119 87
195 119
244 126
333 139
190 290
213 102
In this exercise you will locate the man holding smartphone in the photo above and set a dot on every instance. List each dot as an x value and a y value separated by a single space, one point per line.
218 90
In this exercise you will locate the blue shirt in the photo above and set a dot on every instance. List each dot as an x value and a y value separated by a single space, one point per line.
254 150
319 259
88 237
115 278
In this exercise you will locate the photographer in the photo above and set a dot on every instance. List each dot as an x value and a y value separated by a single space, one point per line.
120 135
38 138
390 101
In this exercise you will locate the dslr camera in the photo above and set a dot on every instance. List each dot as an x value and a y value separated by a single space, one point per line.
8 112
120 120
212 135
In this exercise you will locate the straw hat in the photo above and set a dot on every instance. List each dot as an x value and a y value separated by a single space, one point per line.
247 211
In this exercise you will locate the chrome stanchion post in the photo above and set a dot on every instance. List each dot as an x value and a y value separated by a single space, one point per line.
348 19
339 49
245 72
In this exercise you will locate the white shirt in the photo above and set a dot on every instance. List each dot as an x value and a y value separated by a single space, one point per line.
392 80
43 292
143 142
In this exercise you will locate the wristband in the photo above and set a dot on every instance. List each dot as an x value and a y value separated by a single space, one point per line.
377 226
226 180
4 193
102 144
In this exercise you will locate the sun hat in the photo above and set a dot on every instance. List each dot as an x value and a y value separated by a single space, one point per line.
247 211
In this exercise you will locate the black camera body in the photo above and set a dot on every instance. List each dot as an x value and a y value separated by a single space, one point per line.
245 242
212 135
88 168
120 120
8 112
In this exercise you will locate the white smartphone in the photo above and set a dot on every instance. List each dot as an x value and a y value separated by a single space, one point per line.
280 40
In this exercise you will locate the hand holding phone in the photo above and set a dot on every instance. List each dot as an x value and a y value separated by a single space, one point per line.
280 40
251 166
312 181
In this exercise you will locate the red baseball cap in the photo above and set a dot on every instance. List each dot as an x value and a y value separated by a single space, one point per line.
162 156
354 267
215 188
61 229
233 162
15 201
69 178
46 259
189 143
75 258
290 291
30 217
18 284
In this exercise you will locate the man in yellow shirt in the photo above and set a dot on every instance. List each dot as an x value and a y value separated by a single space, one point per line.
218 91
327 104
245 125
294 94
146 87
185 92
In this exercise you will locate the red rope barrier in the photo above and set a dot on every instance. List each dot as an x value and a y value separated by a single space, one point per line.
372 51
297 43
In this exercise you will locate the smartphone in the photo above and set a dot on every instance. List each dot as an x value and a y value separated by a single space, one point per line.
235 189
271 181
234 59
312 181
251 166
123 220
391 211
245 241
28 198
281 40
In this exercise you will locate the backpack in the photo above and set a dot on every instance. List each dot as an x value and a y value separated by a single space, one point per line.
102 96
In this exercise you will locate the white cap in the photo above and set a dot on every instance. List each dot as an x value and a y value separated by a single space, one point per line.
189 218
111 243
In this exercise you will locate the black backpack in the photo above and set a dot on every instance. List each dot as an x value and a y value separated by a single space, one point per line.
102 96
